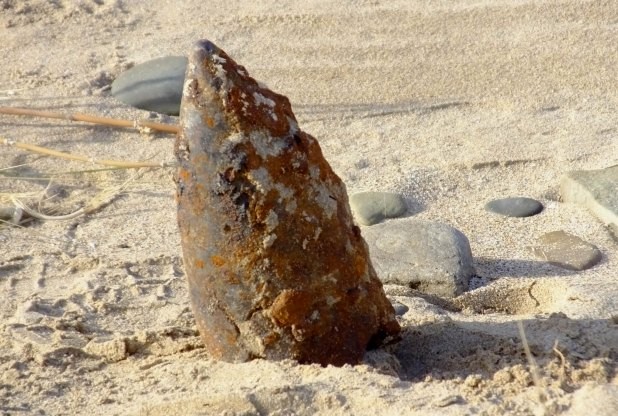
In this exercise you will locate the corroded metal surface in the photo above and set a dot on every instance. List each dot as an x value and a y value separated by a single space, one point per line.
277 269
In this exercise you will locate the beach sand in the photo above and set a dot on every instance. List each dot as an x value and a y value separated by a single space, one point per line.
451 103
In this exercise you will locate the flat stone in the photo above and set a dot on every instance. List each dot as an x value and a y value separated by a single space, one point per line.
430 257
154 85
372 207
277 269
515 207
597 190
567 251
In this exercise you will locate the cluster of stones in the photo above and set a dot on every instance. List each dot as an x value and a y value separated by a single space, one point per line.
157 86
597 190
557 247
430 257
436 258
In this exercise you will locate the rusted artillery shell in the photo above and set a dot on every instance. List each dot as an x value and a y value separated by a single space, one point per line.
277 269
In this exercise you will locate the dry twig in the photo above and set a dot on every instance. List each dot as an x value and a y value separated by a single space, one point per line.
563 364
88 118
534 369
102 198
79 158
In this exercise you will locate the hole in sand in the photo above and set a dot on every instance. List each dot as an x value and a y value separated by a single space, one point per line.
526 296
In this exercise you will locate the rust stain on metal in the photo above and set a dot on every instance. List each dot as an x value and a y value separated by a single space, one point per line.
217 260
284 271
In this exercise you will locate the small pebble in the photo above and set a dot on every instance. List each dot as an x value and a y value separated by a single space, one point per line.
567 251
400 308
515 207
154 85
10 214
6 213
372 207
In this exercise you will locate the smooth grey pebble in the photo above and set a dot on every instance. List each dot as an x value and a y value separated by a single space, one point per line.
154 85
400 308
372 207
515 207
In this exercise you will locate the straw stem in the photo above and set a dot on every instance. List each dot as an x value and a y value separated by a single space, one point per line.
88 118
80 158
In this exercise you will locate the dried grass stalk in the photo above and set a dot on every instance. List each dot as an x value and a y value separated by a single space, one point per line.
88 118
79 158
99 200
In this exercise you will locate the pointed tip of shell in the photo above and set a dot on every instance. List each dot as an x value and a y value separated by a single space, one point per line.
202 52
205 46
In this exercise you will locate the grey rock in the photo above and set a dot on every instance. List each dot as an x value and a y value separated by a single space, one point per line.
153 85
400 308
372 207
431 257
10 214
567 251
597 190
515 207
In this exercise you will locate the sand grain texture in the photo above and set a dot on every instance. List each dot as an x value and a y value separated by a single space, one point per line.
451 103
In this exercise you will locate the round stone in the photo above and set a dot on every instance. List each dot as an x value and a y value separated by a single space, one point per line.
154 85
400 308
515 207
372 207
430 257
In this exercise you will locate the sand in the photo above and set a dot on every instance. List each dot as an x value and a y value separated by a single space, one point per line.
450 102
